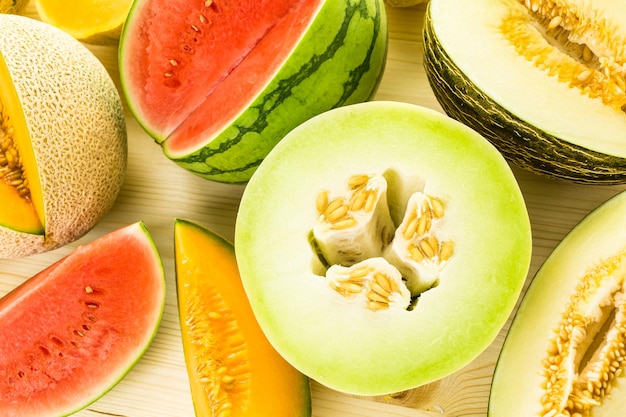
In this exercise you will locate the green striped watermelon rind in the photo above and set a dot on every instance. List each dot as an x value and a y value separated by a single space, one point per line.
339 61
524 145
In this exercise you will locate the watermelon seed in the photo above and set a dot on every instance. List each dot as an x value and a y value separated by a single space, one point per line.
173 62
21 374
92 304
55 340
76 345
168 74
208 3
86 327
79 333
195 28
202 18
90 317
88 289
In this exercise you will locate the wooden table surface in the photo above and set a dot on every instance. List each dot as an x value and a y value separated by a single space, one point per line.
157 191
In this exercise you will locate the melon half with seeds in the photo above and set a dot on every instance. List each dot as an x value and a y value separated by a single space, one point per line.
63 141
392 257
544 80
565 352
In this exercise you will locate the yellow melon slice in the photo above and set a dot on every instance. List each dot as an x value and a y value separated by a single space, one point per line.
91 21
63 141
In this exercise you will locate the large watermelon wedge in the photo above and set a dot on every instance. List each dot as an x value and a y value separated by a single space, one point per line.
218 83
71 332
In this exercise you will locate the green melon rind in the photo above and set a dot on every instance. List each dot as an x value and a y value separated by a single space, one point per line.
395 350
523 144
515 388
141 236
339 61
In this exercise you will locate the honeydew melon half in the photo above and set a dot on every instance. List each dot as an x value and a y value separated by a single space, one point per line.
569 328
313 269
544 80
63 139
219 83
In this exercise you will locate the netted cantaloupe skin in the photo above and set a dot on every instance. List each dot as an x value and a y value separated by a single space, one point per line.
77 129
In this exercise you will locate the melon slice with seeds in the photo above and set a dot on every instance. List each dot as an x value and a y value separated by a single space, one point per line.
73 331
231 365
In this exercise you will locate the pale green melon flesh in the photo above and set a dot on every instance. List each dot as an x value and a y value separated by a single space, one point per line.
479 50
348 347
516 384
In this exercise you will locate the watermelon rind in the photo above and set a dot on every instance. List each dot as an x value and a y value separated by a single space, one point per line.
339 60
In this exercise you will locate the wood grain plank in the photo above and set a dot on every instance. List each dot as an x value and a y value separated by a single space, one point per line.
156 191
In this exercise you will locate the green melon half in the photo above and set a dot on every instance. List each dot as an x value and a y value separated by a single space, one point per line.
73 331
544 80
219 83
339 340
577 300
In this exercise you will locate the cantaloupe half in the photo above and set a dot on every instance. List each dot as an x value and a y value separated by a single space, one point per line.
93 21
63 138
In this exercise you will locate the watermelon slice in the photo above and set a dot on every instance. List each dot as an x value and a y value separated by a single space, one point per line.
218 83
73 331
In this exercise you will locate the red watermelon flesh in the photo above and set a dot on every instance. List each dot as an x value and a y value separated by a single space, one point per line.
71 332
207 60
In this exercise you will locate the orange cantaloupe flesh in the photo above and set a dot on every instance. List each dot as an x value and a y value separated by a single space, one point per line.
16 212
222 339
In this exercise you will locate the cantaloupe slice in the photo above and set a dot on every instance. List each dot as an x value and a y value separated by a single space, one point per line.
63 140
91 21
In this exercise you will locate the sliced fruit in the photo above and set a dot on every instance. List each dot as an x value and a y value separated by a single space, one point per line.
565 348
382 306
95 21
63 138
233 370
219 83
557 105
74 330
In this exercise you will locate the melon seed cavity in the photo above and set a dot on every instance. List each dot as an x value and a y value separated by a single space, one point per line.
587 351
368 258
11 169
576 44
221 359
